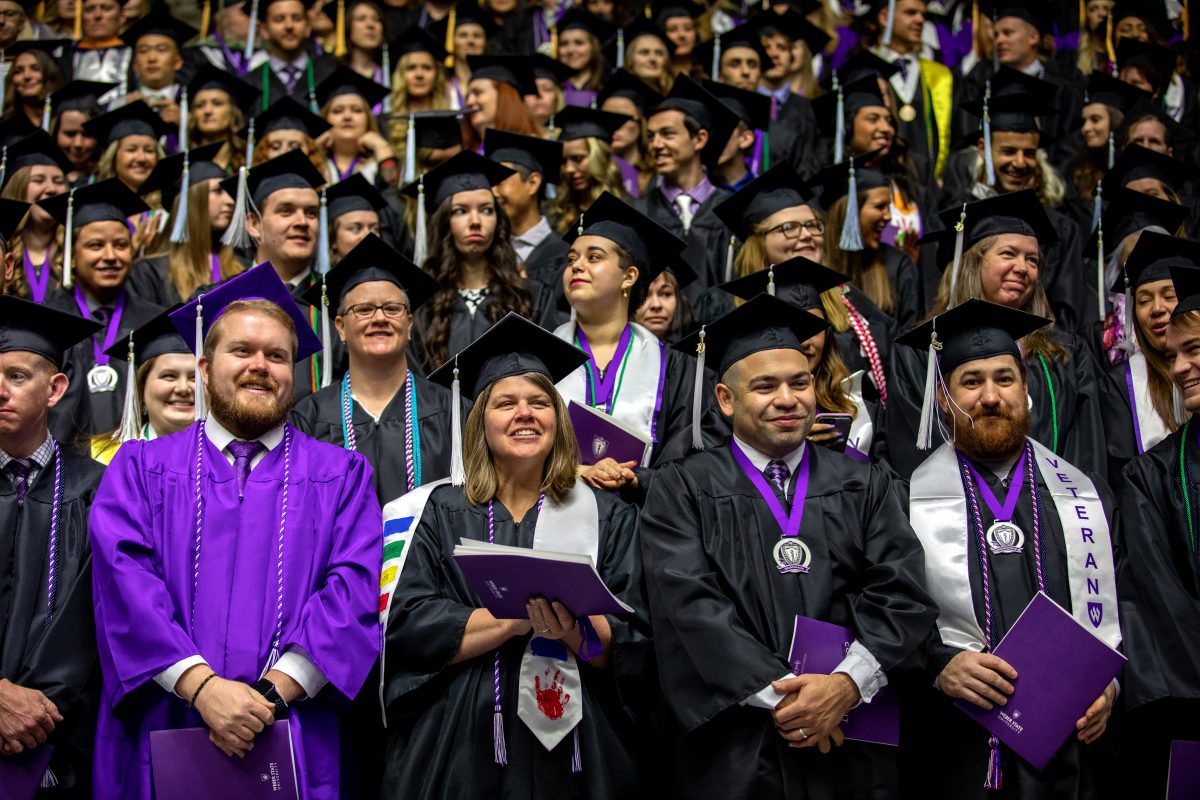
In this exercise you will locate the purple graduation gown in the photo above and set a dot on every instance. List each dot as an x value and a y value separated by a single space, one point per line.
142 529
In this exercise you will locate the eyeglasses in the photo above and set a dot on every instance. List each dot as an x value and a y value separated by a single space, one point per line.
364 311
791 230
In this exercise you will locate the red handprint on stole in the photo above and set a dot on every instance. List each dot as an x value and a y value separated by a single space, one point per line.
550 701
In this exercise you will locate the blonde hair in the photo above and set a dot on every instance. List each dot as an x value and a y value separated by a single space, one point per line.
865 268
439 100
605 175
107 166
558 472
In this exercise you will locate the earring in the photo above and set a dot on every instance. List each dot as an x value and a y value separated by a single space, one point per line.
625 292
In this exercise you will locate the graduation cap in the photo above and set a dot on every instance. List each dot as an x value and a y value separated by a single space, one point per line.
208 77
12 214
1156 61
1154 258
1127 212
709 113
36 149
1176 133
286 114
973 330
159 22
799 281
752 109
417 40
343 81
847 179
576 18
464 172
1105 89
652 247
372 259
576 122
41 329
637 28
792 25
513 346
175 173
512 70
1137 162
663 10
134 119
623 83
250 189
708 54
76 95
862 64
1153 13
1011 102
104 201
1187 289
15 128
1033 12
776 189
543 156
355 193
545 67
835 109
155 338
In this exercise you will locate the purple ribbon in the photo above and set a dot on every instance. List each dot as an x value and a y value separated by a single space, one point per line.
662 381
216 268
788 523
605 393
1137 424
110 330
1001 513
349 170
38 284
234 60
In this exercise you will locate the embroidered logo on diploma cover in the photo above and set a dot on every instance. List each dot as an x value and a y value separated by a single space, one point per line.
599 447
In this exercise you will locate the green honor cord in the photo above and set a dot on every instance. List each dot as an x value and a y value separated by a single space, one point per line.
1185 480
1053 403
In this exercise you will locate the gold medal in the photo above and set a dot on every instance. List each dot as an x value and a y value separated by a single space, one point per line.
907 113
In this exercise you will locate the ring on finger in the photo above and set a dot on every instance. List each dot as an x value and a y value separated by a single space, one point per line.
803 735
544 630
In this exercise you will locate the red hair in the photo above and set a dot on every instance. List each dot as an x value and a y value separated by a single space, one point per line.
511 115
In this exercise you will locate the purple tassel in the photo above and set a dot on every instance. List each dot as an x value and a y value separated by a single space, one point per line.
576 758
501 752
995 777
589 646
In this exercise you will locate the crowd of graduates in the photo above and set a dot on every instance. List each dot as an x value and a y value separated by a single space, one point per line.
896 256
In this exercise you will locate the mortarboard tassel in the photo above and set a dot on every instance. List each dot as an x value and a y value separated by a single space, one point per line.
339 31
179 233
448 45
49 780
323 236
1129 339
235 234
1180 412
200 403
184 111
890 24
250 143
3 85
730 252
326 337
1109 47
131 413
77 32
839 130
205 19
959 234
410 150
771 280
385 66
698 393
46 113
69 244
995 50
851 238
975 29
716 59
929 409
1112 149
3 163
422 235
989 164
458 472
251 33
620 47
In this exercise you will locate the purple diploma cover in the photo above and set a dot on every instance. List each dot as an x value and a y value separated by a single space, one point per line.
1061 670
187 766
601 436
21 775
1184 781
818 647
506 577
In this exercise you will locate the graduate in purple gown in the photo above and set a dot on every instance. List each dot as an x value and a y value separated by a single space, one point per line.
236 562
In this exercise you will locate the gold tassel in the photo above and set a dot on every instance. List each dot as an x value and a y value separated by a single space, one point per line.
1108 39
78 20
451 23
339 32
1185 17
205 19
1083 31
554 42
975 29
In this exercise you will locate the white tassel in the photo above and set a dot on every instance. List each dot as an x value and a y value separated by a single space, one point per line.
698 394
929 409
410 151
250 143
458 472
715 72
499 751
576 755
891 23
730 251
959 235
1097 206
46 114
421 234
621 49
200 404
771 280
839 125
3 164
326 338
49 780
1178 407
323 236
851 239
183 121
131 413
69 244
252 32
1112 149
179 233
1129 337
989 163
235 234
385 66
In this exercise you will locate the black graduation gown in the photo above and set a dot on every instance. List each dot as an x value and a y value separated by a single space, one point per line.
1158 578
150 280
320 416
440 715
323 66
723 617
905 281
948 756
106 406
883 329
794 137
1116 415
71 419
59 660
545 265
1076 407
707 239
922 149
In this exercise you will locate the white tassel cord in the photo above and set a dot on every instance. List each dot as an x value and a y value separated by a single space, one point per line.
730 253
839 127
323 236
621 48
183 121
716 59
252 32
250 143
698 394
235 234
959 234
890 27
458 472
131 412
46 114
1101 289
410 151
421 245
326 338
3 164
989 163
385 66
179 232
69 244
851 238
200 404
771 280
929 408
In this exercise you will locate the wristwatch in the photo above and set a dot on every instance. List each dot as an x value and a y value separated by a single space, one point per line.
268 690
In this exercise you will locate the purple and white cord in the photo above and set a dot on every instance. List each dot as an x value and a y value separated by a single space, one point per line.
52 580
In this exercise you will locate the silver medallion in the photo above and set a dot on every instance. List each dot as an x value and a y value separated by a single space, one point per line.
102 378
1005 537
792 555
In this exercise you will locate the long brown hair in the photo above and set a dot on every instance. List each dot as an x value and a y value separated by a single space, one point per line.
52 81
558 472
16 189
828 377
1158 376
970 285
1090 165
865 268
189 265
606 177
506 288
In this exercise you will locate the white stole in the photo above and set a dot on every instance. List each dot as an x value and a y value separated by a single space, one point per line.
1149 425
938 513
862 430
638 399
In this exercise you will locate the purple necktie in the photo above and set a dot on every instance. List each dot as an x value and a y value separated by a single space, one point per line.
19 470
243 454
778 472
291 74
903 64
102 315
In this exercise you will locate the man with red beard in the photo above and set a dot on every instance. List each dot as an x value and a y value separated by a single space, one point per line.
1001 518
236 563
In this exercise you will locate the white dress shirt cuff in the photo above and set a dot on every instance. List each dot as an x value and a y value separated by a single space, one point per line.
766 697
296 664
864 670
171 675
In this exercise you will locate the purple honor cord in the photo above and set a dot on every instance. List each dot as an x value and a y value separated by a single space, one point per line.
110 331
1002 513
38 277
606 391
788 523
1133 407
216 268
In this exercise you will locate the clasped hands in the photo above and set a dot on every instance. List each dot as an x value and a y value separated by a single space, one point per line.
812 710
233 712
27 718
608 475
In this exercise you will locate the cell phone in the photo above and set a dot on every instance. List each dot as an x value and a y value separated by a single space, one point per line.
841 423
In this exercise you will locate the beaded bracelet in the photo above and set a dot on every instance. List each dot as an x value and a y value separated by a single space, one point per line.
203 683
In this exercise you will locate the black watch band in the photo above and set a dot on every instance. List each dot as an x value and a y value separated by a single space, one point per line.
268 690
